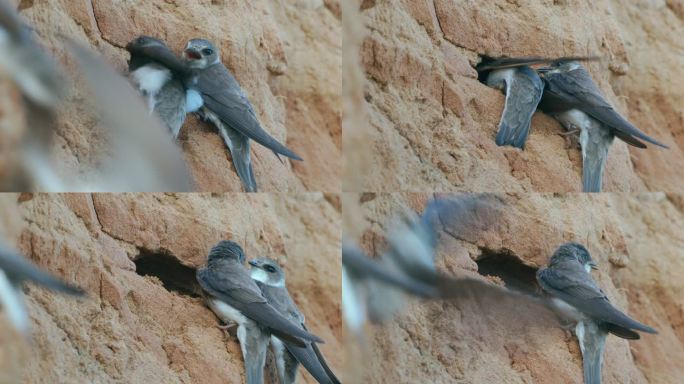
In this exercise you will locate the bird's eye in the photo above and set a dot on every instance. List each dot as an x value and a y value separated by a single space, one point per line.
207 51
269 269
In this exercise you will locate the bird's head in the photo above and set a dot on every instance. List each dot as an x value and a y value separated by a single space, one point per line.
267 271
200 54
574 252
227 250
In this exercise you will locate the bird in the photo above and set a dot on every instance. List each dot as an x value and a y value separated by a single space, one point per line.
15 270
571 97
161 81
523 89
141 155
228 108
577 299
270 277
374 289
42 87
235 298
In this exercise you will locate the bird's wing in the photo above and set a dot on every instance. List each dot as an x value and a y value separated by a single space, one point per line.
513 62
358 264
523 91
223 96
577 89
170 106
242 293
307 357
163 55
18 269
576 287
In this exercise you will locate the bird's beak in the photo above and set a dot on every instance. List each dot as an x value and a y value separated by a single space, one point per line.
593 265
193 54
543 69
253 263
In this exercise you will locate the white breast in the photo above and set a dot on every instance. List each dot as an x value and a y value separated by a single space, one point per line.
225 312
193 101
151 78
574 118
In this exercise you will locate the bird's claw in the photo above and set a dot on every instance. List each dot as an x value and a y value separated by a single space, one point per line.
568 136
225 328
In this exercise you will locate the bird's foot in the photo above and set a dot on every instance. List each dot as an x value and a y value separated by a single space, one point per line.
568 136
225 328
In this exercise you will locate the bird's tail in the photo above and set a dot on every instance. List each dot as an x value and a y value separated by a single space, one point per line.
253 342
594 155
238 144
592 344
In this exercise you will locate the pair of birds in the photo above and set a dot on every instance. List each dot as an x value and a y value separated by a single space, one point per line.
566 91
200 83
258 302
374 289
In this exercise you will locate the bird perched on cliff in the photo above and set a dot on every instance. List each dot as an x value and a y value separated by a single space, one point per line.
160 81
271 279
236 299
16 270
41 85
579 300
523 89
374 289
572 98
227 107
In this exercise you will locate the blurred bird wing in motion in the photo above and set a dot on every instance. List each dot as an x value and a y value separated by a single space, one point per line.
489 64
144 156
41 84
14 270
32 69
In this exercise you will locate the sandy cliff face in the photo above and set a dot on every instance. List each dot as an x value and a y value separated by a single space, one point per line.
286 56
431 123
637 241
135 256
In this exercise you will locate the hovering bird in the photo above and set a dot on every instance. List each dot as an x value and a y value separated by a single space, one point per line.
578 299
271 279
227 107
14 272
572 98
374 289
143 157
36 75
235 298
161 82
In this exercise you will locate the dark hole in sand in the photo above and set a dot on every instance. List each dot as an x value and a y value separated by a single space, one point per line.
173 275
509 268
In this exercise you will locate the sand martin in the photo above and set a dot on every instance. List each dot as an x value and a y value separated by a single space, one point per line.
578 299
271 279
374 289
227 107
235 298
523 89
572 97
158 74
14 271
37 76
